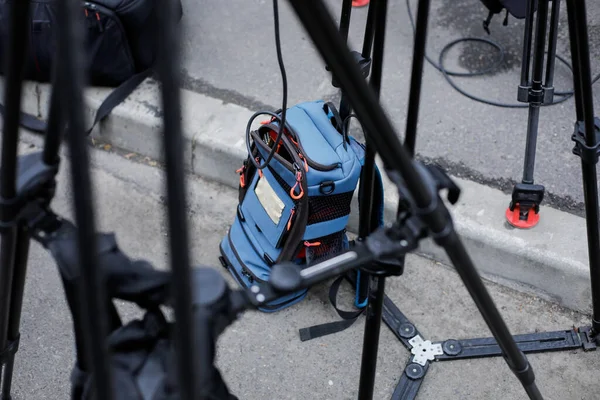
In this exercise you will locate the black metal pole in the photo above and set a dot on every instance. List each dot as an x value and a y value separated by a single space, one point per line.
366 223
168 64
536 90
344 29
574 43
54 132
16 47
371 337
369 31
531 143
420 43
320 26
16 303
552 42
585 108
526 58
345 18
70 41
374 37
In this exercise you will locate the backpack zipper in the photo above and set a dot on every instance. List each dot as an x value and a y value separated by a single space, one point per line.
245 271
96 8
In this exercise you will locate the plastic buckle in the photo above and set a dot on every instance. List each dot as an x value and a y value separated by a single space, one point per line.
586 153
523 211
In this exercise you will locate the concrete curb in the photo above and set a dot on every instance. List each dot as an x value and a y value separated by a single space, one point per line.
549 260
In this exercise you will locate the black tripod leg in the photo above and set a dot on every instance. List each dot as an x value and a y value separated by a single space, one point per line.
16 304
405 173
16 48
378 12
515 358
586 144
526 57
552 43
371 337
416 79
344 28
536 94
374 284
526 197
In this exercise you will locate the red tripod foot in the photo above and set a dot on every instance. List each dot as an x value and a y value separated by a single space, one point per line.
360 3
527 219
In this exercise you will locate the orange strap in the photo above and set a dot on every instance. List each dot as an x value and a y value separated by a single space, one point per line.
309 244
289 224
242 178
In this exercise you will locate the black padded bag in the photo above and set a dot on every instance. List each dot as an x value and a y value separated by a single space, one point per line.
517 8
120 45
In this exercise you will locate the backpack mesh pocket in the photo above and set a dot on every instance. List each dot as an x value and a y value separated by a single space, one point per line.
325 247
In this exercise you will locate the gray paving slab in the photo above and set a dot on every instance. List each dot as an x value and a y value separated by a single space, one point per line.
261 355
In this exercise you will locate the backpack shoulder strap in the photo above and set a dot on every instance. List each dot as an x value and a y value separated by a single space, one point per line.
116 97
349 317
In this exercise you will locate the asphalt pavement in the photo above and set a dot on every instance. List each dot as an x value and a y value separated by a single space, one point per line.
230 54
260 355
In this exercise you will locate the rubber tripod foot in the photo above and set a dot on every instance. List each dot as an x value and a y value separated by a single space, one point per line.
360 3
515 218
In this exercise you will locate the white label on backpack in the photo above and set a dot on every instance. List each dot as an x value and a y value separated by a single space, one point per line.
269 200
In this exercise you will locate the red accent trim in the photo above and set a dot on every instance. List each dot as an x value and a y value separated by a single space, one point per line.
360 3
309 244
514 218
293 190
289 224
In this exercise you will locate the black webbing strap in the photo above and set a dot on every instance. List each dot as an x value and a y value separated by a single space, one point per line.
119 95
28 121
116 97
348 317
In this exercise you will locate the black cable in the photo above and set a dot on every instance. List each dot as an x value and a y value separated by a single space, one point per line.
345 126
284 101
563 96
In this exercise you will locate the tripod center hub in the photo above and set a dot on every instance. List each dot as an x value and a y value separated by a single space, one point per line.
424 350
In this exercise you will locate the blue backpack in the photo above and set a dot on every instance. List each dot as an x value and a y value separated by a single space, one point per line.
297 208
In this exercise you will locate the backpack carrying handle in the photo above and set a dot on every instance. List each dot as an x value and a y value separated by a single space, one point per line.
278 140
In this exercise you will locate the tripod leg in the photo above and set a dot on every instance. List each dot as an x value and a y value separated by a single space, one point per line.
16 47
344 28
16 303
531 144
536 95
584 103
526 58
515 358
526 197
403 171
366 223
552 42
371 338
